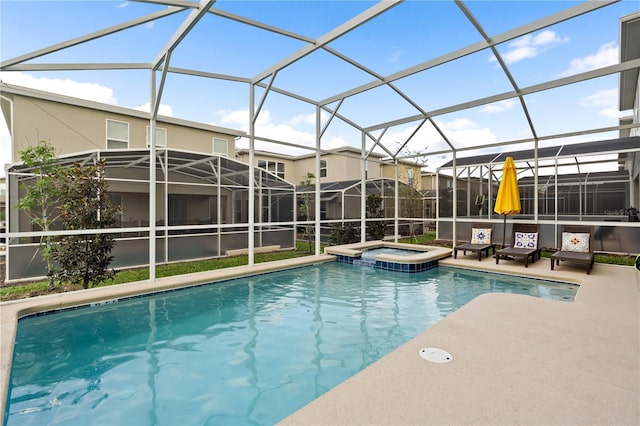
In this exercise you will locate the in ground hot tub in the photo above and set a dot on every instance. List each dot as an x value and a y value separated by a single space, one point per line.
390 256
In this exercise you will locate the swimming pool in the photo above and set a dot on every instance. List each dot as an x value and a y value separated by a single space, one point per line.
245 351
396 257
373 252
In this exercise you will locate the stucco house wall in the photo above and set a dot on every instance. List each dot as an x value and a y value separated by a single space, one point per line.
74 125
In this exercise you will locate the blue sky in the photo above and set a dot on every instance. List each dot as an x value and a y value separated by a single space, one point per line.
408 34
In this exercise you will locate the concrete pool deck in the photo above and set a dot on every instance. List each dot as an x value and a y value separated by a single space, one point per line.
516 359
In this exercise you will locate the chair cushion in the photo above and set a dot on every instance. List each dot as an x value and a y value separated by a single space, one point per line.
575 241
526 240
481 236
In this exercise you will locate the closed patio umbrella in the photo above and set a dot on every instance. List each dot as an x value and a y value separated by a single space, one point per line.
508 199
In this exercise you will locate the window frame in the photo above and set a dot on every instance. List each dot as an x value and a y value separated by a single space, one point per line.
148 133
217 139
108 139
272 166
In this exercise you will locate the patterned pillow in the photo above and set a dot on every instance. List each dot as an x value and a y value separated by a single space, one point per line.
481 236
575 241
526 240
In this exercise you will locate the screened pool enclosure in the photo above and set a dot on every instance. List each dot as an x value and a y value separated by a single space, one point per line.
447 89
591 183
345 203
202 208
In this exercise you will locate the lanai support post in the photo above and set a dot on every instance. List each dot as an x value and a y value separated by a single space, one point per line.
317 192
396 202
363 190
252 204
454 185
535 183
152 183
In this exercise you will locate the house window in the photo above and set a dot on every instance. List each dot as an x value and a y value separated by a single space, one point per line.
117 134
161 137
323 168
410 177
220 147
275 167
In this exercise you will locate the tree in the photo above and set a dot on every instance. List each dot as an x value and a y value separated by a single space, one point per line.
411 206
84 259
41 196
343 233
375 229
304 209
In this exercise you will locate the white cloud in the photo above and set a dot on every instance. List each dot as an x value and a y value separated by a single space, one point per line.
601 98
457 124
606 100
265 127
606 55
164 109
517 54
67 87
395 56
530 46
472 137
461 132
238 118
334 142
309 119
498 107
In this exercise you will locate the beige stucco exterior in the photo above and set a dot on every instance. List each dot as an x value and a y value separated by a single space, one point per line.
342 164
73 125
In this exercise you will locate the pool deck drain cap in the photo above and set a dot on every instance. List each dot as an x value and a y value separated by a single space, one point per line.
436 355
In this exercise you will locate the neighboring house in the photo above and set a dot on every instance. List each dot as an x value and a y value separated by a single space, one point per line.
340 173
336 165
74 125
201 196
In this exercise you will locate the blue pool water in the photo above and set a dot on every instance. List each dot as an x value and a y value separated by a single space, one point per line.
248 351
371 253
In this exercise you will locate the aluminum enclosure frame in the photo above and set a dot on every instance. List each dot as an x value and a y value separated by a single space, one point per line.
264 83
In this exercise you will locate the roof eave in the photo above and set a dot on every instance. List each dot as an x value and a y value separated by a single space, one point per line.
629 49
55 97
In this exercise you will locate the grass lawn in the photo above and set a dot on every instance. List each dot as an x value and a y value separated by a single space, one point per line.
13 292
130 275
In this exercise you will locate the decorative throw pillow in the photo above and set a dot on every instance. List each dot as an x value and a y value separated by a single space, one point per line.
575 241
481 236
526 240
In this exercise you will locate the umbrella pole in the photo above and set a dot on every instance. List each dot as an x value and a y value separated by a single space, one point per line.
504 231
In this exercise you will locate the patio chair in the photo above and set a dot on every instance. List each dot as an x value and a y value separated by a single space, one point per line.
480 241
524 244
576 246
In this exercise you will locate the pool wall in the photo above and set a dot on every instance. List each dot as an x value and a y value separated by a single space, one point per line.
545 346
426 257
11 311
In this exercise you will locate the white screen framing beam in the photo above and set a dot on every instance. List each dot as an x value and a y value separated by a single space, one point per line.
353 23
476 47
79 40
588 75
186 26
